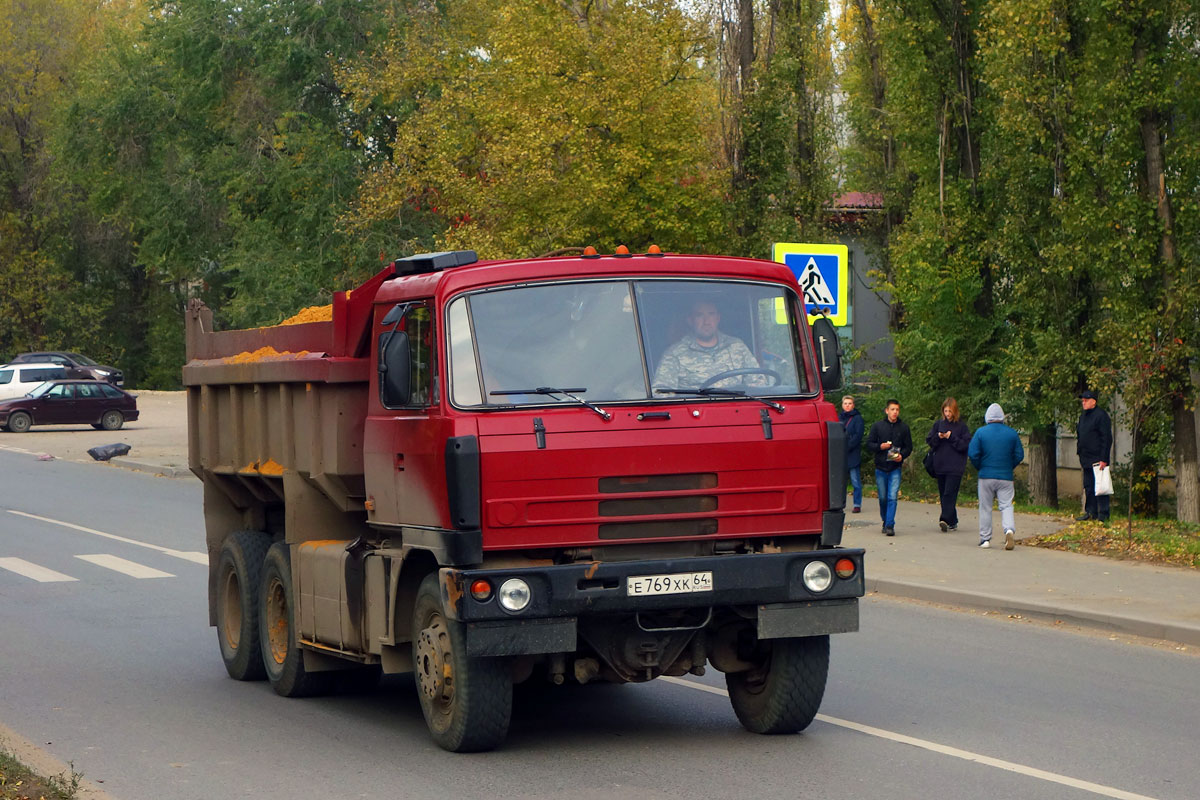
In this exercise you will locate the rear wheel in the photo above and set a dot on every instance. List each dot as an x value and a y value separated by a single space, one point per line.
19 422
112 420
784 690
467 702
281 652
238 572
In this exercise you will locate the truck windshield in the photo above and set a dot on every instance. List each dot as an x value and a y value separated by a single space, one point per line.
625 340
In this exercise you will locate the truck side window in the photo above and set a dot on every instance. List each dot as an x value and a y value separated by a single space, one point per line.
417 328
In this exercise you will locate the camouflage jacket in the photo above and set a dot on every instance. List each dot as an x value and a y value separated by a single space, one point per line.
687 364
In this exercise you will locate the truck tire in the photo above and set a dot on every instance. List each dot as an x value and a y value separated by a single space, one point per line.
783 693
238 572
467 702
281 652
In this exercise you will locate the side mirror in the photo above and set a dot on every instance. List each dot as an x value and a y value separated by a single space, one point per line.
829 353
394 369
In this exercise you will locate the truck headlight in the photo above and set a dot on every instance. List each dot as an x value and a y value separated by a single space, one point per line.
514 594
817 576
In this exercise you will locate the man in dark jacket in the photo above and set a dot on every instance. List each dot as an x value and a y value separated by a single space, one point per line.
852 421
891 443
1093 436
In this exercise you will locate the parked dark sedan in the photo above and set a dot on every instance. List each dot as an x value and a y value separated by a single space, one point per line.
97 403
76 365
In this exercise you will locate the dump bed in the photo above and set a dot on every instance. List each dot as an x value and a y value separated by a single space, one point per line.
285 397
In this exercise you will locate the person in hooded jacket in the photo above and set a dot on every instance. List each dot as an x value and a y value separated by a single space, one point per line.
852 421
995 450
948 439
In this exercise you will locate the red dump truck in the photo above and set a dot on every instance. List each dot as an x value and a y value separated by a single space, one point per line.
595 467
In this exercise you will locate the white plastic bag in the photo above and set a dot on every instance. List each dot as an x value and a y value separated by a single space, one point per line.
1103 480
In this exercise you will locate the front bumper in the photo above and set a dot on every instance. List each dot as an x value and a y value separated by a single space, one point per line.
561 594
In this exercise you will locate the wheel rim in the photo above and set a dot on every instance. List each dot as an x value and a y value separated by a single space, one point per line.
231 601
110 420
435 671
277 620
19 423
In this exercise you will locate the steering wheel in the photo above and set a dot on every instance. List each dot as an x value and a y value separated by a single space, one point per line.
733 373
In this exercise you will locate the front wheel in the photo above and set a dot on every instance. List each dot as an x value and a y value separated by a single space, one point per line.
467 702
281 654
19 422
782 693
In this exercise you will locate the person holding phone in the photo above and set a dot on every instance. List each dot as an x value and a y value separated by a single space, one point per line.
891 443
948 439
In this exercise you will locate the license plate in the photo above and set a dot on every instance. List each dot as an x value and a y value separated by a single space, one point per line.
679 583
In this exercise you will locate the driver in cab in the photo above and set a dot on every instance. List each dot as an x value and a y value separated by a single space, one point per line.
705 352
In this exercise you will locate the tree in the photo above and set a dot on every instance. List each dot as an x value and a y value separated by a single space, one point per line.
538 126
216 136
40 42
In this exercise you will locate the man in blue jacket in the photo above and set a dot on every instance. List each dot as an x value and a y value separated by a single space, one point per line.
994 450
852 421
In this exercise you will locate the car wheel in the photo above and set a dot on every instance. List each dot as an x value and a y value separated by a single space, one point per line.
19 422
112 420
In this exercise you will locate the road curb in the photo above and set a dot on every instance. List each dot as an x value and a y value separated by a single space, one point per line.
154 469
46 764
1138 626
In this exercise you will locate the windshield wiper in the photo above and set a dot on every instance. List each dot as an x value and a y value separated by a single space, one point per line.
550 390
716 391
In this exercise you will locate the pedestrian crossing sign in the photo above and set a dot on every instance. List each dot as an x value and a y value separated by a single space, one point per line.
823 272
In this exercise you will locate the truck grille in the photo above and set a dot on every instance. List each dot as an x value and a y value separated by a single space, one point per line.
657 506
659 483
658 528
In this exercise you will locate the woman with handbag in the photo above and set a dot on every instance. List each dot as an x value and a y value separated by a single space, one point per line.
948 440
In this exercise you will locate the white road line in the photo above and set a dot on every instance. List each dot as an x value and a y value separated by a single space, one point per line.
934 747
28 570
130 568
198 558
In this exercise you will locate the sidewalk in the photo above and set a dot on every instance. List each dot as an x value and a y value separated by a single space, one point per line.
919 562
922 563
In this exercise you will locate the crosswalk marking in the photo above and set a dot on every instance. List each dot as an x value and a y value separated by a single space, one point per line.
40 574
130 568
195 557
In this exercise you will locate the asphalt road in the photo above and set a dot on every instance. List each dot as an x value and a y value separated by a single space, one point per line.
117 672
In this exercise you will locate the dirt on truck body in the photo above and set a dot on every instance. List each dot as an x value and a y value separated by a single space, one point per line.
577 468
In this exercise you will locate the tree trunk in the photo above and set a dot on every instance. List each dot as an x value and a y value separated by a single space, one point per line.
1187 469
745 42
1043 466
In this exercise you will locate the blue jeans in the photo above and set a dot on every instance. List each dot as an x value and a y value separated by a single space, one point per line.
856 484
888 484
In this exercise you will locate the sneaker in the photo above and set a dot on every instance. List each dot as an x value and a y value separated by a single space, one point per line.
856 510
953 527
942 524
1008 539
985 544
889 531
